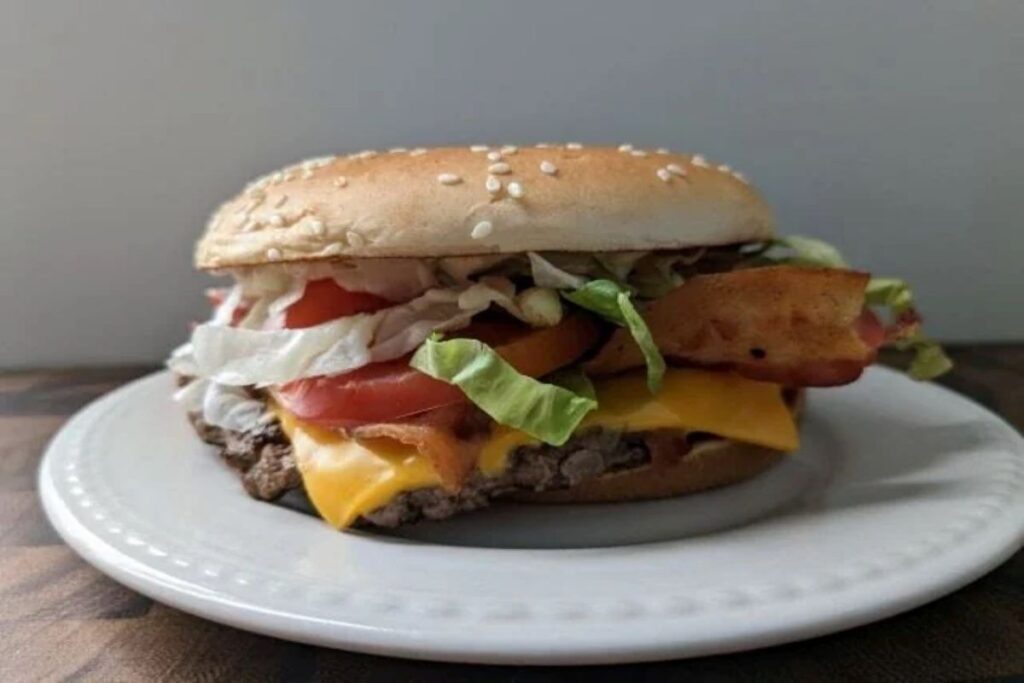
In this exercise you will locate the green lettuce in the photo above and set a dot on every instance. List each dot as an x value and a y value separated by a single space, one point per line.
930 360
546 412
575 380
891 293
612 302
809 251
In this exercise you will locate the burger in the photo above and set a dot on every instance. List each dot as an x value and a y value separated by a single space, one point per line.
411 334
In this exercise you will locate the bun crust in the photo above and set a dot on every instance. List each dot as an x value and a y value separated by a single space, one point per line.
456 201
708 465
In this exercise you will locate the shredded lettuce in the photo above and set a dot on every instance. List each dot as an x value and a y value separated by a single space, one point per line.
238 356
397 279
222 406
930 360
612 302
809 251
655 275
891 293
547 274
544 411
619 264
575 380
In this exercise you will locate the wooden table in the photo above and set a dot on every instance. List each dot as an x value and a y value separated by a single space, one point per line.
60 618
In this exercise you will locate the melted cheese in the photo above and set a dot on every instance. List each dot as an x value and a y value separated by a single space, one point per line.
346 478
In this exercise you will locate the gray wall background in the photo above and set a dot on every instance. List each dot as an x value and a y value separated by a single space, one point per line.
895 129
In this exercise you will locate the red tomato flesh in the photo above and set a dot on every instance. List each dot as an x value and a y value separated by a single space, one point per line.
387 391
378 392
325 300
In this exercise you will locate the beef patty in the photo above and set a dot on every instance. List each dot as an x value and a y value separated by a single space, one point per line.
264 459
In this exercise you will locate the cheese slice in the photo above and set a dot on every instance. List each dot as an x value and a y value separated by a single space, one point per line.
346 478
719 403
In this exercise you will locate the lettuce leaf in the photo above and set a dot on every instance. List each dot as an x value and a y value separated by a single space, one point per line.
575 380
544 411
612 302
547 274
889 292
222 406
809 251
237 356
930 361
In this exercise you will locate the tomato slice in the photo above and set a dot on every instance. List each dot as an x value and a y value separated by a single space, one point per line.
387 391
378 392
325 300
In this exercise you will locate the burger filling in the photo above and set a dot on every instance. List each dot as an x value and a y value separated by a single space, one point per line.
395 389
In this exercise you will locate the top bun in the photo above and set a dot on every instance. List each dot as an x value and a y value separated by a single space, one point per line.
484 200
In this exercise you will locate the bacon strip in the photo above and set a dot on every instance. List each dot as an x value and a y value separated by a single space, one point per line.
450 437
794 326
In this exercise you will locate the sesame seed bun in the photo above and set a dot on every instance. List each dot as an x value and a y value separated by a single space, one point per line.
708 465
465 201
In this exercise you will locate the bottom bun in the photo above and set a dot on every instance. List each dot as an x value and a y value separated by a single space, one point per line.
708 465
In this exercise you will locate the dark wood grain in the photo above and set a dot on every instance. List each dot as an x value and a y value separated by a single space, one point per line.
60 619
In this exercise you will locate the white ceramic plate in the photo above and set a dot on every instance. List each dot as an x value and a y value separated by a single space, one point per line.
901 493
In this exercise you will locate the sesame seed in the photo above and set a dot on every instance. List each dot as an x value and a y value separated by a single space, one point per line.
509 149
276 177
724 168
500 168
355 239
280 201
249 226
273 254
307 173
739 176
515 190
626 147
419 151
638 153
340 181
288 175
676 169
333 249
276 220
548 167
662 150
493 185
478 148
316 227
367 154
543 145
449 179
494 156
573 145
481 230
699 161
664 174
397 150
